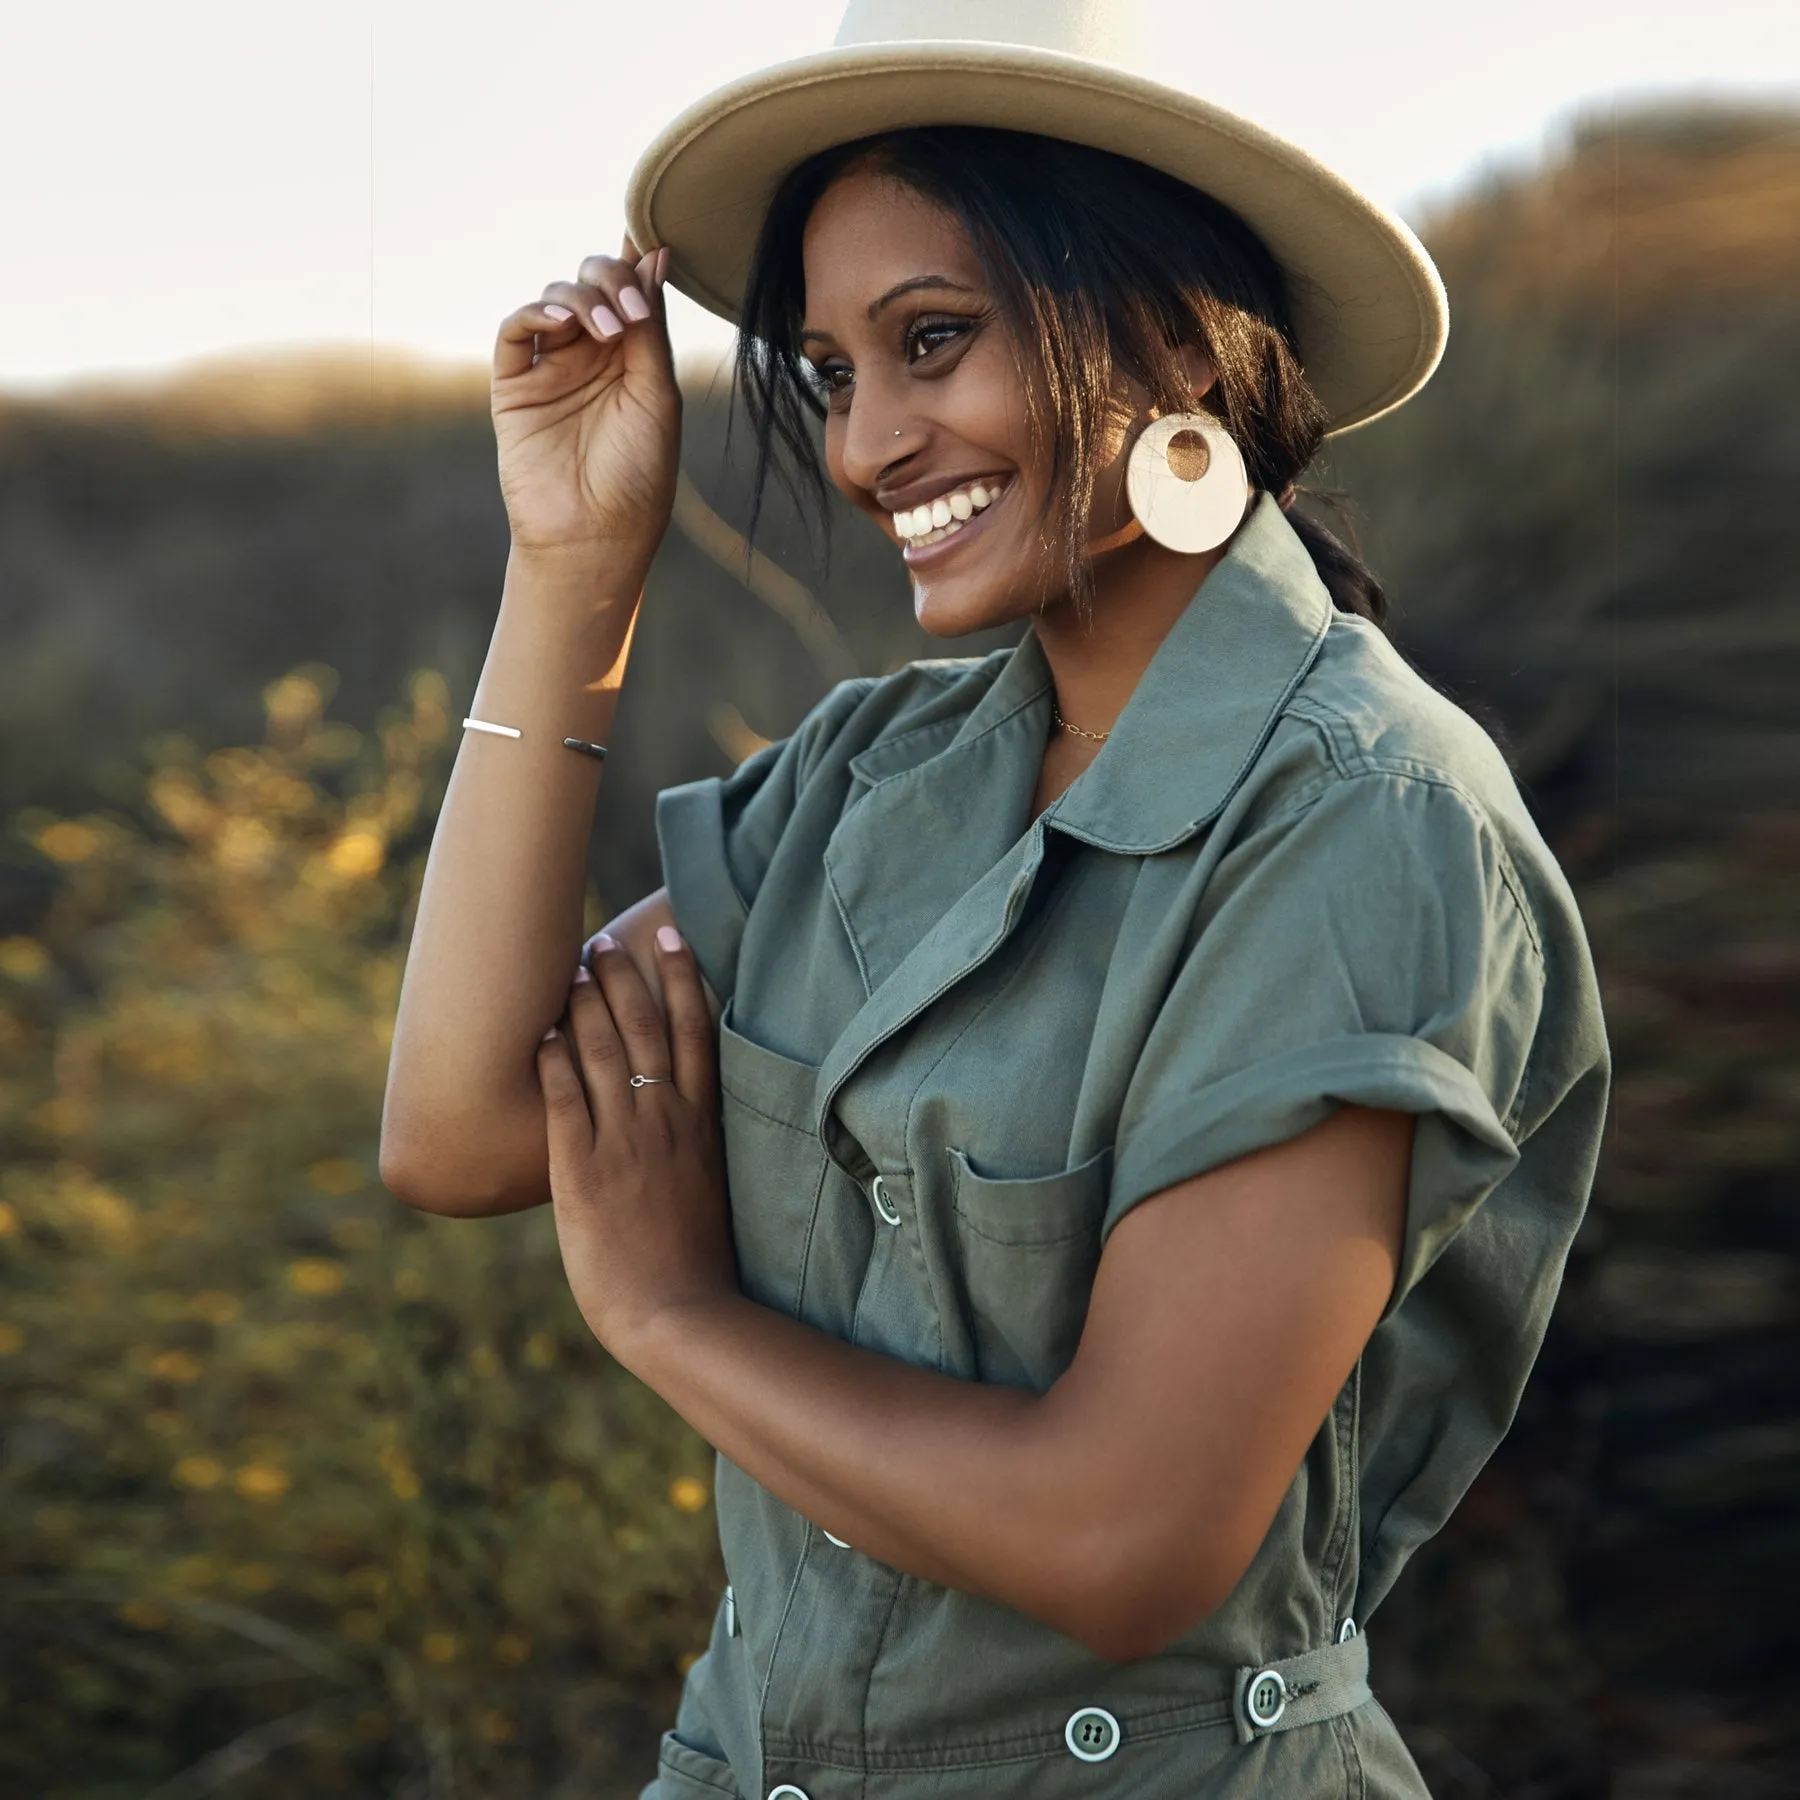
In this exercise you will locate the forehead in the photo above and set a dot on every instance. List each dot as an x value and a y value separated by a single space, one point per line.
868 233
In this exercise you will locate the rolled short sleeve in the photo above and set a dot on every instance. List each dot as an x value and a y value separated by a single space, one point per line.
1366 947
718 836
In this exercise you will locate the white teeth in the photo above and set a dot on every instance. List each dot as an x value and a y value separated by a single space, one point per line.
929 523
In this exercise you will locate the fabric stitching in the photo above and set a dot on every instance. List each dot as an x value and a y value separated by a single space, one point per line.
750 1106
1165 1722
705 1781
843 912
1422 775
812 1227
874 1662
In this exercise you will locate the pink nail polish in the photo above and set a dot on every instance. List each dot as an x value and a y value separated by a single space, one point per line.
549 1036
604 940
560 314
633 304
668 938
607 321
581 974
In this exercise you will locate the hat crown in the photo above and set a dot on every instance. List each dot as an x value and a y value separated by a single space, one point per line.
1104 30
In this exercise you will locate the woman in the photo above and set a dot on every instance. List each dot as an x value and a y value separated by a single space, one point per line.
1091 1134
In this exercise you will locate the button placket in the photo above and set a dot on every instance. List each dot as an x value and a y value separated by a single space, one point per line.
885 1208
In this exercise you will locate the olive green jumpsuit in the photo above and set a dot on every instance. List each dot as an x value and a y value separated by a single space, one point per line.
960 1044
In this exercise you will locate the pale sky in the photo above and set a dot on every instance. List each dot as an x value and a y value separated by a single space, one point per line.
201 176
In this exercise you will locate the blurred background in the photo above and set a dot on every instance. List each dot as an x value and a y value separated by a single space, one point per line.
301 1493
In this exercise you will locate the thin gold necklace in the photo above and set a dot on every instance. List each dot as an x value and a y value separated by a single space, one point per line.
1093 737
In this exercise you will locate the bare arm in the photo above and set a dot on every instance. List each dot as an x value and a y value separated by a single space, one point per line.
587 419
1120 1507
1125 1504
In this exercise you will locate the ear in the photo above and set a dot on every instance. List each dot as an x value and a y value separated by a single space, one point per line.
1197 366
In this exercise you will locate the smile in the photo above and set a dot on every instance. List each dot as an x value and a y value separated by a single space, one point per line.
946 515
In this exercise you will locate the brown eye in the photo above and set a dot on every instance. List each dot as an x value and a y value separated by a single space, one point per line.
830 378
929 335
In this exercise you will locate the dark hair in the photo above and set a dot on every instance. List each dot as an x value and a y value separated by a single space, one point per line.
1099 265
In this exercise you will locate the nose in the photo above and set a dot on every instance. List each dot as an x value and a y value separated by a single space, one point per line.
878 433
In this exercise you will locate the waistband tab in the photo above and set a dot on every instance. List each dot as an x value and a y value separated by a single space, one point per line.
1303 1690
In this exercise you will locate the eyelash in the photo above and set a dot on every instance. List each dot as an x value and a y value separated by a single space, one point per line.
821 375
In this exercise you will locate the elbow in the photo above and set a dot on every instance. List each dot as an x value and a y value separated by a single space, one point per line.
426 1170
1136 1605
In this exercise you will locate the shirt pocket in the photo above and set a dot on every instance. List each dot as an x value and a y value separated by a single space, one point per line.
685 1773
774 1163
1029 1249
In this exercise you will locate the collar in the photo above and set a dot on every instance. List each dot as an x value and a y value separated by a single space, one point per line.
932 867
1205 706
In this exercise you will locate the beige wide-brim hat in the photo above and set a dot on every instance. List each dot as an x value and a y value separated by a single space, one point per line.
1368 308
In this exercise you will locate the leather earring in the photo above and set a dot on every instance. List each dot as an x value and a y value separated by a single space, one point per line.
1186 482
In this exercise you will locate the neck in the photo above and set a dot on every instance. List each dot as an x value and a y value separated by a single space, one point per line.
1140 590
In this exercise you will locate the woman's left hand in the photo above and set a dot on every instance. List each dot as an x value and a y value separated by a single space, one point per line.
637 1173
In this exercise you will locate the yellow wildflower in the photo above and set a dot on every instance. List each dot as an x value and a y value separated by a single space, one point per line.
357 855
215 1306
23 958
335 1175
315 1275
199 1472
262 1481
688 1494
68 841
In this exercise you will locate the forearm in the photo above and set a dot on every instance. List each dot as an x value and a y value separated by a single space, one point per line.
972 1485
500 913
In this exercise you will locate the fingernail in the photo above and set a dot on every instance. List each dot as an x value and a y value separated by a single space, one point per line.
668 938
560 314
633 304
606 321
549 1036
581 974
604 940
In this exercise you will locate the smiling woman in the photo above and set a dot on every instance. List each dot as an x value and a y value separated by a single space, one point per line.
1091 1134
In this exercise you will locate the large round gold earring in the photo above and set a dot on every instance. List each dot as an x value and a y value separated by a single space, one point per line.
1186 482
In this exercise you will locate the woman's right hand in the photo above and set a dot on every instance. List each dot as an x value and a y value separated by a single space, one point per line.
587 413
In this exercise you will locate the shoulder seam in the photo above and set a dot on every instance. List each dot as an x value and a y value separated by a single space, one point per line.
1421 775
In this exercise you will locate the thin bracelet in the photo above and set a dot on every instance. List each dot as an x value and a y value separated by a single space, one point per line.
596 751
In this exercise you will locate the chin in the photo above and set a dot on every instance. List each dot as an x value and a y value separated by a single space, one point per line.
953 609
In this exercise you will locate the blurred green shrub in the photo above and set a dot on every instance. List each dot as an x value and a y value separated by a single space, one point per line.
302 1489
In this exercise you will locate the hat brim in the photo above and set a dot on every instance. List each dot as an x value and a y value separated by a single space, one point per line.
1369 312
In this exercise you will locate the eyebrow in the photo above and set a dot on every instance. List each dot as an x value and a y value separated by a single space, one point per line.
914 284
